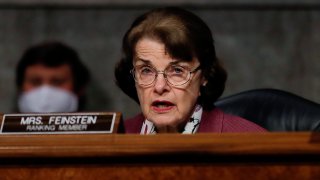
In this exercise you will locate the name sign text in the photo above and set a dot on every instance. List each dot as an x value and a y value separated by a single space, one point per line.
58 123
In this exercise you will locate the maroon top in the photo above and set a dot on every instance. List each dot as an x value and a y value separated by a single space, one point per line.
211 121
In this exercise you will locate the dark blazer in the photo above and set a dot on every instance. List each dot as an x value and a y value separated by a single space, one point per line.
211 121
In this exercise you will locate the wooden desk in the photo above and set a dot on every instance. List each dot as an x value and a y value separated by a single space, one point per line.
200 156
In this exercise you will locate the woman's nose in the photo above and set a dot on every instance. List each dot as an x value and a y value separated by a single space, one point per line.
161 84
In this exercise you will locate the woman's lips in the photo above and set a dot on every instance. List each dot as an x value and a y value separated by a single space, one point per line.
162 106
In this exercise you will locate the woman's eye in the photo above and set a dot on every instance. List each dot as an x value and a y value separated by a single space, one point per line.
146 70
177 70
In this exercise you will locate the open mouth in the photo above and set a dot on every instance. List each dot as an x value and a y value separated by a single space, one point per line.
162 105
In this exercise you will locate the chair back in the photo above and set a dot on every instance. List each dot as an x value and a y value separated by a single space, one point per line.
275 110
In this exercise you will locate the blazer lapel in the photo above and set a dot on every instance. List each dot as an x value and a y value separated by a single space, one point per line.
211 121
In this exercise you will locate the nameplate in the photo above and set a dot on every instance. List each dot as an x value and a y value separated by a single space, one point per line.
58 123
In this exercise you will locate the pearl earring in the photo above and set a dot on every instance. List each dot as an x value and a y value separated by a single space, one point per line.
205 83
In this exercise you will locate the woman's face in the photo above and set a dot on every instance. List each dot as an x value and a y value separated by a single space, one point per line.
168 107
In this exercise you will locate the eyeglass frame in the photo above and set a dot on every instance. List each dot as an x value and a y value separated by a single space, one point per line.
132 71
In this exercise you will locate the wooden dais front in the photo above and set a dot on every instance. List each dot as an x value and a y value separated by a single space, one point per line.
166 156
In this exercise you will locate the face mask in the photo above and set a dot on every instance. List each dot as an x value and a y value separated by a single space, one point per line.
47 99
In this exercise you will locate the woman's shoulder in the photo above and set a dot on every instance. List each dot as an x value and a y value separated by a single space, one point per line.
134 124
218 121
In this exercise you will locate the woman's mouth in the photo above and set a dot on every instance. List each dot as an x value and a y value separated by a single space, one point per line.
162 106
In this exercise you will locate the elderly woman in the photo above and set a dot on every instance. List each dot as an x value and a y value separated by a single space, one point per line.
170 68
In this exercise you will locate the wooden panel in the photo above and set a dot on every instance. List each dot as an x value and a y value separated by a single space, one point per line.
162 156
111 145
167 156
230 171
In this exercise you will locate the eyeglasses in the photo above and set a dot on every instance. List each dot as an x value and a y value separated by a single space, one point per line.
175 75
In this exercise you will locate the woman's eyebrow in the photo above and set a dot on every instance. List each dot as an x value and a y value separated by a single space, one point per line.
179 62
143 61
175 62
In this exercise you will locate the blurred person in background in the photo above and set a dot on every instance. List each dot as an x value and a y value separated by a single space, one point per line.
50 77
